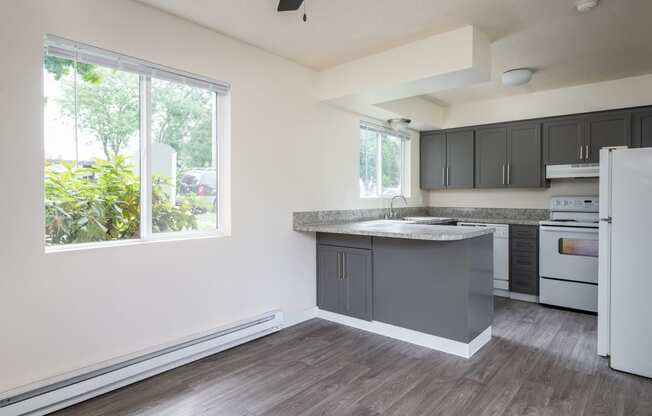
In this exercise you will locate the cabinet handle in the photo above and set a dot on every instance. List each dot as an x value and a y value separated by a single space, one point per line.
339 265
343 266
587 152
443 176
448 176
503 174
581 152
508 175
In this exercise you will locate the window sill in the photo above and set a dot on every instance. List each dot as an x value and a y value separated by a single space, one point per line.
160 238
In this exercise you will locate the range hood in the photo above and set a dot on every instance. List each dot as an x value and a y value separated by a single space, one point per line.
580 170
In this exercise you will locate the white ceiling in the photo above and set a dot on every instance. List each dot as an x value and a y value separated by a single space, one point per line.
565 47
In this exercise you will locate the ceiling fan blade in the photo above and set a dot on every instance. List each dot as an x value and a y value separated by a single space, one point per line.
289 5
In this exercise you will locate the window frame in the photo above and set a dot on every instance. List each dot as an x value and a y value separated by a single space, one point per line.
404 182
221 136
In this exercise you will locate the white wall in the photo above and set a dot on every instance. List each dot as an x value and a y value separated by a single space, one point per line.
59 312
626 92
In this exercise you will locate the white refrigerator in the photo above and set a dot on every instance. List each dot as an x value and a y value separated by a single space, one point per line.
625 259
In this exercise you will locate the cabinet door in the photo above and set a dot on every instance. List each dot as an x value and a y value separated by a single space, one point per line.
524 156
330 284
433 160
491 157
357 278
524 259
608 129
460 159
642 128
563 140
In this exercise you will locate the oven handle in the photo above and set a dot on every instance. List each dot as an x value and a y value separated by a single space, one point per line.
569 229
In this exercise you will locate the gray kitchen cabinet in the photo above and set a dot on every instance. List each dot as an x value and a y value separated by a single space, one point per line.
508 156
563 141
524 166
606 129
460 155
433 161
447 160
344 280
524 259
491 157
642 128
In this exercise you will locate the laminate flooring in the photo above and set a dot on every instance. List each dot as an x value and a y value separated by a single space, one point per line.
540 361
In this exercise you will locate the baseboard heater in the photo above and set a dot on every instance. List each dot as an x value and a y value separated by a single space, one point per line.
57 393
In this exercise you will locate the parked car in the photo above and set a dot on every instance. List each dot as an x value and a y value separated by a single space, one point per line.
203 184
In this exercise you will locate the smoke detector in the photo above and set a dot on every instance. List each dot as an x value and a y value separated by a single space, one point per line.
584 6
516 77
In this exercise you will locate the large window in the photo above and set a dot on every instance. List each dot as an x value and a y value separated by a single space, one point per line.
132 150
382 162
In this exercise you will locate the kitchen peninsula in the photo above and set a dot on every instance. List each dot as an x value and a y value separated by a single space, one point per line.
425 283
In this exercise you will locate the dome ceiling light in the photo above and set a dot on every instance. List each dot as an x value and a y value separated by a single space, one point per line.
516 77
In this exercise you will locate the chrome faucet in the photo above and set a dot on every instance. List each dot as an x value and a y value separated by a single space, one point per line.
392 214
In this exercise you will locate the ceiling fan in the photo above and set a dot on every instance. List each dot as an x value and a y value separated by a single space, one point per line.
291 6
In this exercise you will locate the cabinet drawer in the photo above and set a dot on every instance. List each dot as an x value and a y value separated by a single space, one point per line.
522 281
344 240
523 231
526 261
528 246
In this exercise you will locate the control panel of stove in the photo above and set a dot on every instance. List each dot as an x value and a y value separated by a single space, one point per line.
575 203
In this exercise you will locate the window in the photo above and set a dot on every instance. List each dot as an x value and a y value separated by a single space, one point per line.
383 155
133 150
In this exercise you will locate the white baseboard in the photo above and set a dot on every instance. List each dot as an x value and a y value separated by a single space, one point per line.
297 317
68 394
502 293
524 297
446 345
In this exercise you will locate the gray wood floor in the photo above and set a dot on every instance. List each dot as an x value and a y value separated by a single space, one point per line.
541 361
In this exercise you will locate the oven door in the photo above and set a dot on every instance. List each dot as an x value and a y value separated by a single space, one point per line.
569 253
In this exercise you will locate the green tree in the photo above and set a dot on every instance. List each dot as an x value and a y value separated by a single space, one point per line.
108 109
182 119
60 67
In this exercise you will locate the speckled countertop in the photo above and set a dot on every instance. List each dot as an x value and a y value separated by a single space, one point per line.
498 221
392 229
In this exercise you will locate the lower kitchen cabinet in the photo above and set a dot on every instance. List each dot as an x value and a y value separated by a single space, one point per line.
524 259
344 280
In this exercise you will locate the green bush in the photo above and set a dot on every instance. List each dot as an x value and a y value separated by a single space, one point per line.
102 202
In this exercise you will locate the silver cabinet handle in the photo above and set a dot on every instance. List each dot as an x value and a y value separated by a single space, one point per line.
343 266
508 175
448 177
587 152
339 265
503 174
581 152
443 176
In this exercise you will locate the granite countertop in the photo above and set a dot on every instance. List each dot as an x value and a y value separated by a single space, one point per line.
393 229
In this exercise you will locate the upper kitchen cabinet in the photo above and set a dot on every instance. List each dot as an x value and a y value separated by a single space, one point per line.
642 128
524 167
509 156
606 129
460 155
433 160
491 157
579 139
563 141
447 160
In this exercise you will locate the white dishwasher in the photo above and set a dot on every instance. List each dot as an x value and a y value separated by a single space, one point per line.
501 255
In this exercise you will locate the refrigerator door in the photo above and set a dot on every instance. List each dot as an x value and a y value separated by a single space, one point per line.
604 250
631 276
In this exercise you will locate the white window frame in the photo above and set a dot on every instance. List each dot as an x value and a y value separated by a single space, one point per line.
405 161
221 137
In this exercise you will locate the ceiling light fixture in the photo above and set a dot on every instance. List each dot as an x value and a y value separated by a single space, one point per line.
399 124
584 6
516 77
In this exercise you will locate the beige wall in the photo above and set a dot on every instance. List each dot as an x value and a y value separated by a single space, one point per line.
626 92
63 311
